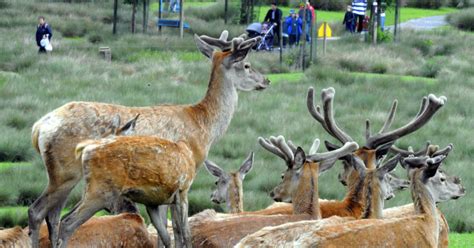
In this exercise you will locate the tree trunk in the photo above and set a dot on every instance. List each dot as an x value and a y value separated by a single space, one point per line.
145 16
134 11
114 27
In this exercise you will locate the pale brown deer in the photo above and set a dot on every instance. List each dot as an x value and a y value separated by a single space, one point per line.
420 229
14 238
56 135
305 200
123 230
230 185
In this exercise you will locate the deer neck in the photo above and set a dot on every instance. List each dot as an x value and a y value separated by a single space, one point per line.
306 198
422 198
367 156
354 195
216 109
373 208
235 203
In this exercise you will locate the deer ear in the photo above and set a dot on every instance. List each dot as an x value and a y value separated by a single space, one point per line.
326 165
128 128
300 158
358 165
203 47
115 123
387 167
213 168
246 166
382 150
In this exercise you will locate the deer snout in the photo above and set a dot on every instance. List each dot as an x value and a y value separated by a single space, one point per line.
390 196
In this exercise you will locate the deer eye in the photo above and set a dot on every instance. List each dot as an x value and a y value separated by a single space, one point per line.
442 179
247 66
216 183
282 176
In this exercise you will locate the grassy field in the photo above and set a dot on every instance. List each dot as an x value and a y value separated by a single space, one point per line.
151 69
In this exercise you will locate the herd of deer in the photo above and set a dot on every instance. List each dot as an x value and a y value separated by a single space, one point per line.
154 157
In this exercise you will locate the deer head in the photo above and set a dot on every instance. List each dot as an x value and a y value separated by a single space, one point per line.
229 185
231 60
287 150
378 145
442 186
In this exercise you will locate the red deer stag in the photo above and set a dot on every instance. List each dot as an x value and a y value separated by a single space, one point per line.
14 238
229 185
305 199
56 135
420 229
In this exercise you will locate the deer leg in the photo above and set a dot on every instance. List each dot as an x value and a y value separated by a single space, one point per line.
155 217
176 218
52 219
184 219
88 207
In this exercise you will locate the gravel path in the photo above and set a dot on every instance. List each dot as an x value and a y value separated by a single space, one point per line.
425 23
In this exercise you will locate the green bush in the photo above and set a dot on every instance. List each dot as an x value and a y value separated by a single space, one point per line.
333 5
426 4
95 38
463 19
431 67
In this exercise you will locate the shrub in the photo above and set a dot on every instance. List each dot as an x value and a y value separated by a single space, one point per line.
426 4
95 38
333 5
431 68
463 19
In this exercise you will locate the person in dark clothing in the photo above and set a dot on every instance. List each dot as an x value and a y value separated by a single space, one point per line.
307 18
349 20
274 16
43 31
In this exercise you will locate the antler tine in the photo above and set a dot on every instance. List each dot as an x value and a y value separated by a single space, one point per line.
285 148
220 43
445 151
433 105
316 111
367 129
410 151
315 146
422 106
389 120
327 96
267 145
224 35
292 146
346 149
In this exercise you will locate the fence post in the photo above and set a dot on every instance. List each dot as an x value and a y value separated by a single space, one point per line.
324 37
280 31
114 28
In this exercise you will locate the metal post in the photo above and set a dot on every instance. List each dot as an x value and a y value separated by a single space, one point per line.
280 37
181 19
397 16
375 21
324 37
315 38
303 44
145 15
114 27
160 8
225 11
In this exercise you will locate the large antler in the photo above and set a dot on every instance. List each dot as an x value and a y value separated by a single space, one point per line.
410 151
223 44
279 147
327 118
428 108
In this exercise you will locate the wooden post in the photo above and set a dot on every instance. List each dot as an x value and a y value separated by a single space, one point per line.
181 19
375 17
280 42
134 11
324 37
397 16
106 53
114 27
145 15
314 38
303 44
225 11
160 8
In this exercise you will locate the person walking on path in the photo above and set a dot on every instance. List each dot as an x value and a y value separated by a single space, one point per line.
273 16
309 18
349 20
43 31
358 8
294 25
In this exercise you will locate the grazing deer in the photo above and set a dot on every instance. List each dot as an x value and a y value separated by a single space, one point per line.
305 200
123 230
56 135
14 238
420 229
229 185
376 145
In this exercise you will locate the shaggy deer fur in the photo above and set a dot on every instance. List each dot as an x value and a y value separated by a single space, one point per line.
56 135
305 200
420 229
229 185
14 238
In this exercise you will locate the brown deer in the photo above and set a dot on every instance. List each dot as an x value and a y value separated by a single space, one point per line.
56 135
420 229
14 238
123 230
305 200
229 185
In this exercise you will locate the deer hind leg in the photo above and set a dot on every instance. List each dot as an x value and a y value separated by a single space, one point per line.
187 238
48 206
156 214
179 212
89 205
177 223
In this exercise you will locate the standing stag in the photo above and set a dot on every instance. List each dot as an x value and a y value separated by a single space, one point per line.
305 200
56 135
229 185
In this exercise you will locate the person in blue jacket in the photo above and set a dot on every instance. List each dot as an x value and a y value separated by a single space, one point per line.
43 30
294 26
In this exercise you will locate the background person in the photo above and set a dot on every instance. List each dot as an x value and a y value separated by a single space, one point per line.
358 8
349 20
294 25
309 17
274 16
43 31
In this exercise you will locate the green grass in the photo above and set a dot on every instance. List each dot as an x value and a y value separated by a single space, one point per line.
6 165
285 77
461 240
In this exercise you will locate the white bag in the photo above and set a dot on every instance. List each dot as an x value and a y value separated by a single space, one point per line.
46 44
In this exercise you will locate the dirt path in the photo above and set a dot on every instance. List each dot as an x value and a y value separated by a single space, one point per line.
425 23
